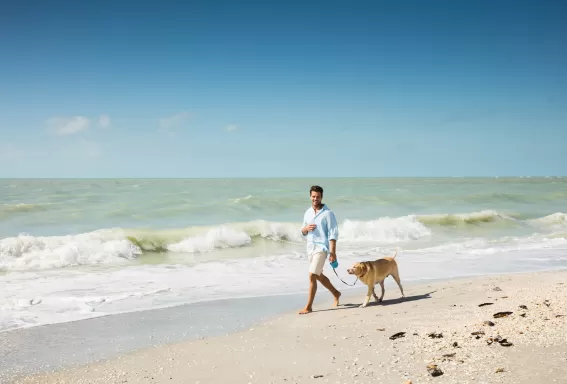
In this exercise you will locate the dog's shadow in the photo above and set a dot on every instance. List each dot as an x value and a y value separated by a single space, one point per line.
373 303
403 300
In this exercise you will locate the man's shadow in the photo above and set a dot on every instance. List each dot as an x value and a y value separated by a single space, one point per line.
373 302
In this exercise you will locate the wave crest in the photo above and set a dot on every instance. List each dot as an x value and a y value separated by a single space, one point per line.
204 239
8 210
487 216
121 245
30 252
384 230
216 238
557 218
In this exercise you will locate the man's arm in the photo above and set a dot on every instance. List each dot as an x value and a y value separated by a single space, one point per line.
304 229
332 246
333 236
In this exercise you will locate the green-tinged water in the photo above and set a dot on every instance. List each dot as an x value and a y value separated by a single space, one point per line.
59 207
73 249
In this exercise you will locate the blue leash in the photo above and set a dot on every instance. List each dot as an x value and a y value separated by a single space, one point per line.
334 265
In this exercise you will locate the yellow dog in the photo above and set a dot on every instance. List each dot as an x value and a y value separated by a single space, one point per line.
374 272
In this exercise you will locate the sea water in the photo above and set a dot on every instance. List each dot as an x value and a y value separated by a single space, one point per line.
75 249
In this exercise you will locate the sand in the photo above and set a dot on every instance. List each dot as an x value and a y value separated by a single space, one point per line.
355 345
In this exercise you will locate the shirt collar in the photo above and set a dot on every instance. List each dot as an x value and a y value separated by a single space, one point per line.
323 209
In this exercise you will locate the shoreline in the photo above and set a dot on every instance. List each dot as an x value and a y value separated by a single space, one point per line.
300 292
181 322
110 336
277 332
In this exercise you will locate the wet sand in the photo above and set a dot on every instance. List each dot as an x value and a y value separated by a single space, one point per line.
443 324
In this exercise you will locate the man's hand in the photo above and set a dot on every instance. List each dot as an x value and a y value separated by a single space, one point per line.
332 257
308 228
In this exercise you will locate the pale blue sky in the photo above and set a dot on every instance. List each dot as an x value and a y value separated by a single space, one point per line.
231 89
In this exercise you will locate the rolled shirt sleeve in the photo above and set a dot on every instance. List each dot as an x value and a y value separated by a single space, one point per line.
333 227
303 226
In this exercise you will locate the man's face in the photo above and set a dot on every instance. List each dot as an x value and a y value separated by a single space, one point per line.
316 198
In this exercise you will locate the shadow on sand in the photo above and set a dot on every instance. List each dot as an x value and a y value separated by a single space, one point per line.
384 302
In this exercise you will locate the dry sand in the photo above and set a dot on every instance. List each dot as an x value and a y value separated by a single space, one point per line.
353 345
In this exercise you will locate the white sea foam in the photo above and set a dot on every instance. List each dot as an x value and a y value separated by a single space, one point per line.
216 238
59 295
442 228
38 289
112 246
554 221
118 246
505 244
31 252
384 230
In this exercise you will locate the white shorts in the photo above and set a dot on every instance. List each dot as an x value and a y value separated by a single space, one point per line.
317 262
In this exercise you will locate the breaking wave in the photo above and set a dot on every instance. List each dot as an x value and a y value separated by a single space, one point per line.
555 220
31 252
110 246
466 218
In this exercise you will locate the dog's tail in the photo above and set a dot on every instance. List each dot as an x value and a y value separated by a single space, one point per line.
395 254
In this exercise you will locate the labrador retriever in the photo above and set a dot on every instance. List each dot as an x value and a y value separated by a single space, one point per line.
373 272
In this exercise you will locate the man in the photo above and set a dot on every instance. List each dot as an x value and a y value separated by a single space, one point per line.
321 229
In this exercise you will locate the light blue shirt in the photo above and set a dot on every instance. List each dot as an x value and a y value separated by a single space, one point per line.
327 229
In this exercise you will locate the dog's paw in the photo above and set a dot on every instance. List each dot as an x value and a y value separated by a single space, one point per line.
362 306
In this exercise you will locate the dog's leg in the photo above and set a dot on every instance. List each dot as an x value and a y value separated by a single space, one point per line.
374 293
368 295
396 277
382 286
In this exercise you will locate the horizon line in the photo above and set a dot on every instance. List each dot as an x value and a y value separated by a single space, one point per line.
280 177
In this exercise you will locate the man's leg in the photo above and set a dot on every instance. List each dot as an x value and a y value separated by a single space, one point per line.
327 284
312 290
317 262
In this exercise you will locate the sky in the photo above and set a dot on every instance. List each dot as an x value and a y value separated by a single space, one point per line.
283 89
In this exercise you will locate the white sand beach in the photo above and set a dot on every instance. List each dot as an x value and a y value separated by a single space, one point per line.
443 323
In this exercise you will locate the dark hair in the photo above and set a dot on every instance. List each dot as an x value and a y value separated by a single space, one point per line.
316 188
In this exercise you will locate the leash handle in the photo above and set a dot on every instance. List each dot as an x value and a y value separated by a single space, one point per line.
351 285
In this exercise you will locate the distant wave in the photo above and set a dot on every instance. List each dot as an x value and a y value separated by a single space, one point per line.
555 219
263 203
7 210
108 246
487 216
402 197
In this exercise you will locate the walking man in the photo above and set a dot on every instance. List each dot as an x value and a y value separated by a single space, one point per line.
321 229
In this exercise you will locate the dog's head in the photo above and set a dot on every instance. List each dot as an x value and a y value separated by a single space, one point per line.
358 269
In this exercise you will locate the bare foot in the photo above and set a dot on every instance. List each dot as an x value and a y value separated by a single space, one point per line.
336 303
305 310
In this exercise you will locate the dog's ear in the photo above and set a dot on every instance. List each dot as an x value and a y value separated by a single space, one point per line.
365 266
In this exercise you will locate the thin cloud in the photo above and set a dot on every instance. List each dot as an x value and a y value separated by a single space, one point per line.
62 126
104 121
175 121
231 128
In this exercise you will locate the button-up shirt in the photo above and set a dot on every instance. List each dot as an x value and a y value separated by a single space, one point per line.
327 229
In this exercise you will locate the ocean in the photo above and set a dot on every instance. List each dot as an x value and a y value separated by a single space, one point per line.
77 249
